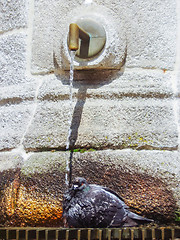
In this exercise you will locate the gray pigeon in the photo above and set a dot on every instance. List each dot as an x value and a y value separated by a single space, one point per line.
93 206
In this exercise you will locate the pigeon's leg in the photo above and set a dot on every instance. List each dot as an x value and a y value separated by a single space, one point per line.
65 224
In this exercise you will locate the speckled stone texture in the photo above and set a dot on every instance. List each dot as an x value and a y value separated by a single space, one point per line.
13 14
126 107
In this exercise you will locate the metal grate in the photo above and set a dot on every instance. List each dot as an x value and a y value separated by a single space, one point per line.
89 234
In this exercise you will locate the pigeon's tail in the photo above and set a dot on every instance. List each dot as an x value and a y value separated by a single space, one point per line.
133 220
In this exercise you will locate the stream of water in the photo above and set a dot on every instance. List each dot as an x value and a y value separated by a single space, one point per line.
72 53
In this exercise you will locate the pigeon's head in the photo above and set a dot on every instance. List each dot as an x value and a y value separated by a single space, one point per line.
79 184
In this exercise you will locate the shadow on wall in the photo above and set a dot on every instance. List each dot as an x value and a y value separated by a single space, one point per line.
84 80
90 78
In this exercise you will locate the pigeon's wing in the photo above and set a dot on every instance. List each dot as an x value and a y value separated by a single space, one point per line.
130 218
117 195
108 190
108 208
111 191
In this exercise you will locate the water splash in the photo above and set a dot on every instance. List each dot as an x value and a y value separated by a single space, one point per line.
70 113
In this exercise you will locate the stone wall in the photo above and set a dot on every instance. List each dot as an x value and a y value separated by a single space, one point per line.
125 111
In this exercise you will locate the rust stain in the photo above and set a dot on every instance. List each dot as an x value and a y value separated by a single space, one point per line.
23 203
38 209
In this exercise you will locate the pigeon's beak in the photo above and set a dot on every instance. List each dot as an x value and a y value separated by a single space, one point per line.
75 186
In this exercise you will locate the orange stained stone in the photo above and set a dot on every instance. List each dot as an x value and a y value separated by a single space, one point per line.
33 208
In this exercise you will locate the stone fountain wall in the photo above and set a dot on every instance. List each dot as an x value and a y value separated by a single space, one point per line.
125 120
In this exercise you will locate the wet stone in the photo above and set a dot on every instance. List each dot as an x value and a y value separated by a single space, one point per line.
32 195
31 201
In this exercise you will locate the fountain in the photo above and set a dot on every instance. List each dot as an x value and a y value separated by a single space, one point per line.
121 132
86 40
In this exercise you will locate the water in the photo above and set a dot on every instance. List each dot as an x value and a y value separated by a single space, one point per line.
70 114
20 148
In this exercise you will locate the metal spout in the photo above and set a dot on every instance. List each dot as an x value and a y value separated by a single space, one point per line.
75 32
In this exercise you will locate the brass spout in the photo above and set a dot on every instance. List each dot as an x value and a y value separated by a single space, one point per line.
75 32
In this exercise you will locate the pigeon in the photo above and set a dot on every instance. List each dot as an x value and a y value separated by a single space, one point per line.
94 206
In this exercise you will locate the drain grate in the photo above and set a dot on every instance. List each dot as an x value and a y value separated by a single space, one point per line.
89 234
